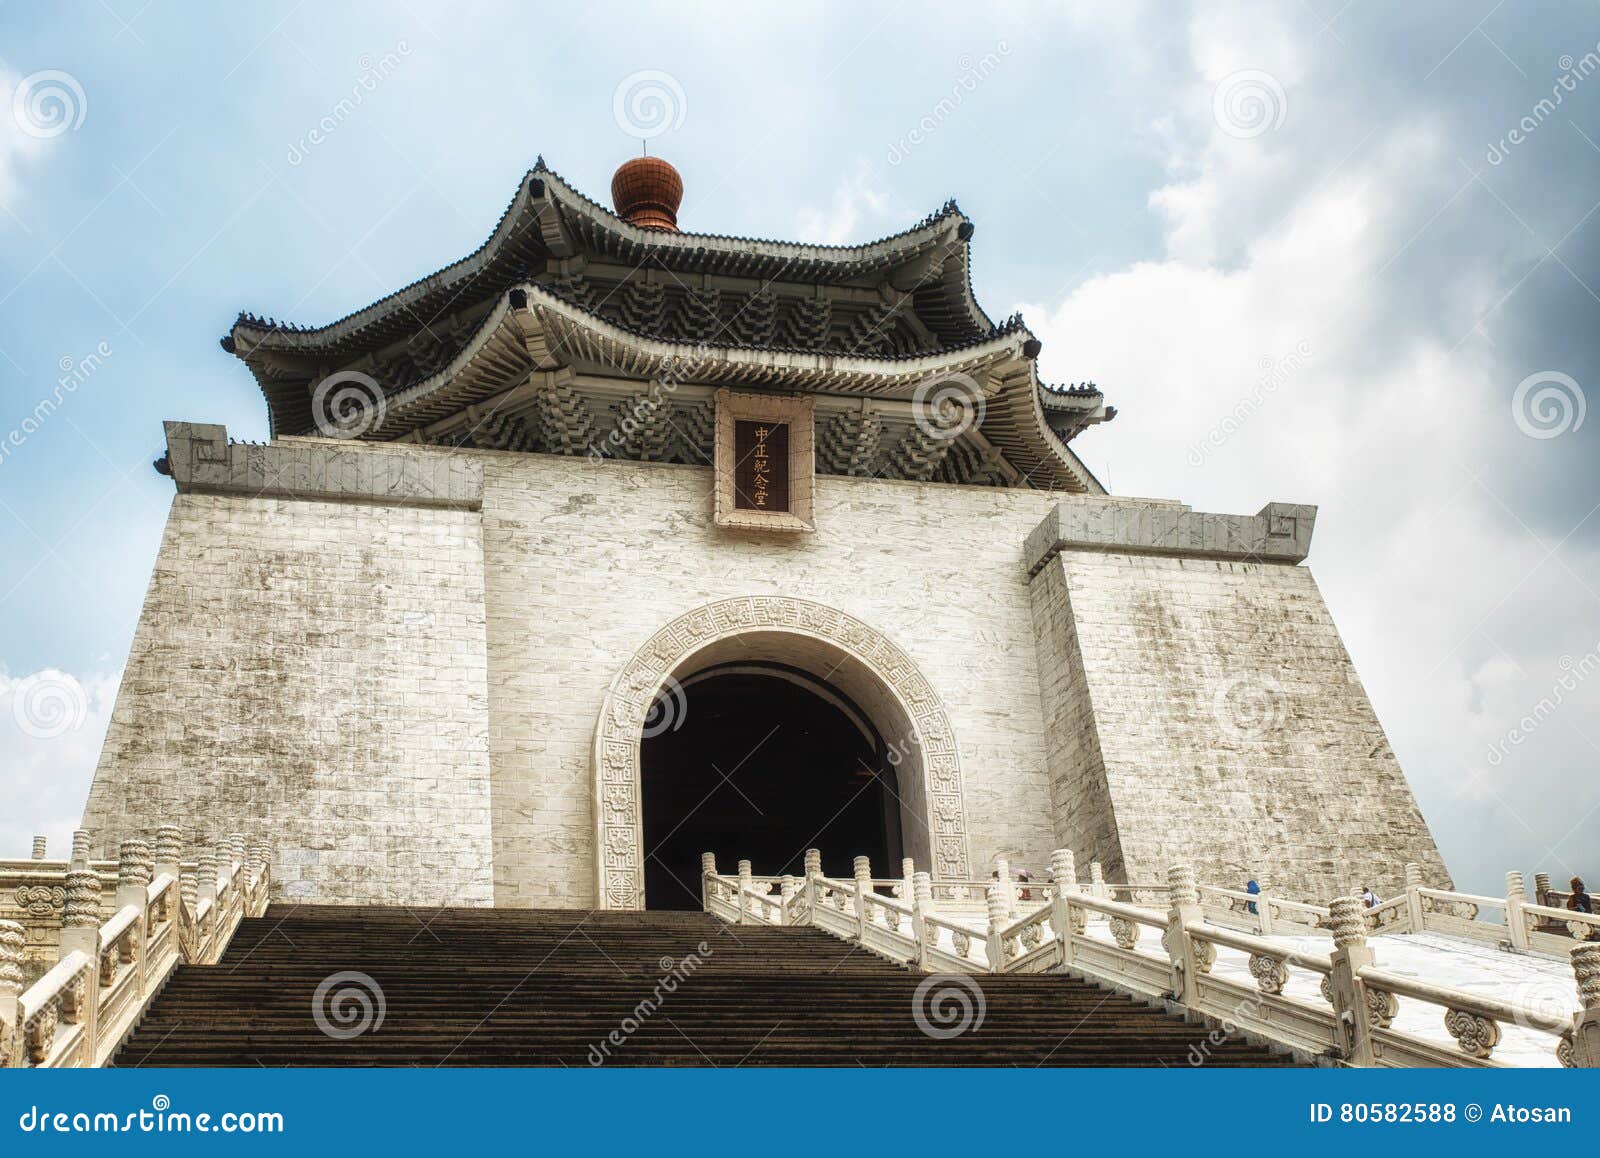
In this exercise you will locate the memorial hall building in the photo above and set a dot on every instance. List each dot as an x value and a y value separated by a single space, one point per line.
612 543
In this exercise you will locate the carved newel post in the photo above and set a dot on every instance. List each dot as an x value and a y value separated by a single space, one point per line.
787 888
1541 888
1097 880
997 922
813 871
908 870
708 883
13 941
1065 920
1516 919
1002 881
1189 957
236 850
1358 1008
39 845
921 902
1414 897
863 871
168 851
80 848
206 885
746 886
1263 909
1584 1048
133 888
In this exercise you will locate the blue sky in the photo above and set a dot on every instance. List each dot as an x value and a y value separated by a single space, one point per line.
1294 243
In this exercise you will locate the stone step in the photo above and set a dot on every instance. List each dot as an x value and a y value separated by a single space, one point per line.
530 987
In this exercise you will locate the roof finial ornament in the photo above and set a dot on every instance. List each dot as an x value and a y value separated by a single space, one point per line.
646 192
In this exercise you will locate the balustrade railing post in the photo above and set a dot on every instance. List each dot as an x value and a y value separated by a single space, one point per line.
205 890
908 871
1263 906
1356 1007
80 849
1516 919
13 944
921 902
80 931
1189 957
996 949
1541 888
133 888
863 871
1585 1043
787 887
746 887
1064 874
1002 880
708 870
813 870
1097 881
39 846
1414 917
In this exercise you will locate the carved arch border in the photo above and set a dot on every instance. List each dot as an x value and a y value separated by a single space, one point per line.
619 822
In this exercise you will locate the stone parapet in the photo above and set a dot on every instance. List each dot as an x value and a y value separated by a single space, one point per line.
1278 533
201 459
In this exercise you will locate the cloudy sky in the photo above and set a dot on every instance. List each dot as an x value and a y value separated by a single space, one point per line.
1345 253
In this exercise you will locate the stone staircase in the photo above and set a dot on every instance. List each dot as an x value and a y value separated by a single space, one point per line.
466 987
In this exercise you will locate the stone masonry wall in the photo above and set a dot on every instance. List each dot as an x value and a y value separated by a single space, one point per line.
316 671
1210 706
584 560
404 686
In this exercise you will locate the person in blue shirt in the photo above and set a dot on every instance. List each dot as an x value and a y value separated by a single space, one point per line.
1254 890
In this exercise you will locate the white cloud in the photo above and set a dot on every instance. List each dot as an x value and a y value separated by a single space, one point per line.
1457 615
51 727
861 210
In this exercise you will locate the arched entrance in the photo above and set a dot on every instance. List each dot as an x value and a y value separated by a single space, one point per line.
837 653
763 761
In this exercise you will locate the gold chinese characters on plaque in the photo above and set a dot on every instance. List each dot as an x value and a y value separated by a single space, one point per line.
765 464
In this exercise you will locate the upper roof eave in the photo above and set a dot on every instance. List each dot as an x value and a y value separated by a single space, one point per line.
544 198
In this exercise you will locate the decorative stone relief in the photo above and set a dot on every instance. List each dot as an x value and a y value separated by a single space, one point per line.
1270 973
1477 1036
41 900
1124 932
620 836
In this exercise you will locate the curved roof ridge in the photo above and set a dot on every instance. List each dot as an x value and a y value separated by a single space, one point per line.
537 183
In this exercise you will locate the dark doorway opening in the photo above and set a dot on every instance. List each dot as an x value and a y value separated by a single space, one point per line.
765 762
